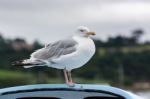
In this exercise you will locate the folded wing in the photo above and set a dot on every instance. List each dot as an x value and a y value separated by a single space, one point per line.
55 50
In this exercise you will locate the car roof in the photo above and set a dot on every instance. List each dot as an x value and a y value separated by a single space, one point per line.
78 88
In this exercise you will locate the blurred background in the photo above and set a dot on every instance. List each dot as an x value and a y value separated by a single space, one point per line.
122 40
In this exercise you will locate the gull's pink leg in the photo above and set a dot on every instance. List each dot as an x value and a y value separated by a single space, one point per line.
66 76
70 79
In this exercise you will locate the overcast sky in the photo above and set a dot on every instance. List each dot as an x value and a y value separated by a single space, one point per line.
51 20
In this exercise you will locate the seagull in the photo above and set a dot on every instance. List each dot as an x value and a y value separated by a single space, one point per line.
66 54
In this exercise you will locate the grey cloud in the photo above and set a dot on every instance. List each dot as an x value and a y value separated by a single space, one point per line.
50 20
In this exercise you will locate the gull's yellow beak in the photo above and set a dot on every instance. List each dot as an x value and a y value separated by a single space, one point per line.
91 33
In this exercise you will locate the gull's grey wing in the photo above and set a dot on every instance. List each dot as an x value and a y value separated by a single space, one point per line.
56 49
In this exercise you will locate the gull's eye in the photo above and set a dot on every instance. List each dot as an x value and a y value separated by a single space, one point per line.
81 30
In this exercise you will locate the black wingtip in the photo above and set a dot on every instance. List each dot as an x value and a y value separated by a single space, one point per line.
17 63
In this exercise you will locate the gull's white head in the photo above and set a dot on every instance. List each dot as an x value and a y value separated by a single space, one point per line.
84 32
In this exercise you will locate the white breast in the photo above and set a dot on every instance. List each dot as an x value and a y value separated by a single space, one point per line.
86 47
85 51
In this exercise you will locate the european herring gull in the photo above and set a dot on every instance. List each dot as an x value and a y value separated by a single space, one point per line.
66 54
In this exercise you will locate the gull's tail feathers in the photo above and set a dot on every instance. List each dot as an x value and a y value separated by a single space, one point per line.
27 63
